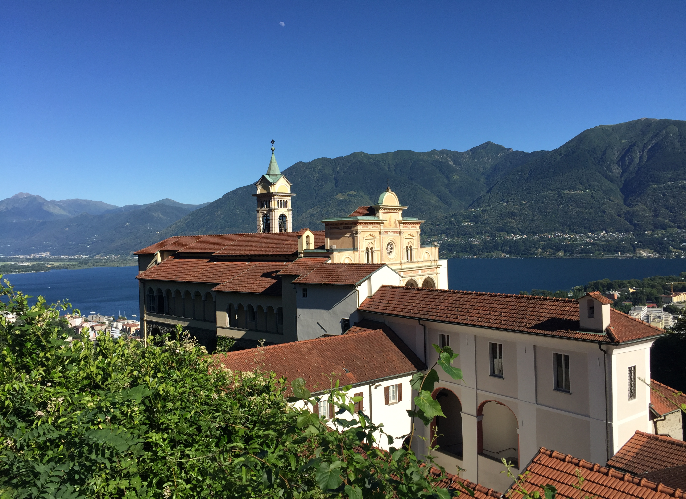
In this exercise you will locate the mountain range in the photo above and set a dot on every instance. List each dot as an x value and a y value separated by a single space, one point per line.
610 189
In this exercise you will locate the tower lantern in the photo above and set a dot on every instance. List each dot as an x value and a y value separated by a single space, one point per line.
274 203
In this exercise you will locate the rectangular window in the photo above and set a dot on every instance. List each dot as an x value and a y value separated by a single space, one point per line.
325 409
358 405
632 382
304 292
443 340
496 354
393 394
561 371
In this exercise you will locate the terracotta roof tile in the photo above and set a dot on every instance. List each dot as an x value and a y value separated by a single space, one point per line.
240 277
249 244
369 351
598 296
523 313
303 265
674 477
454 482
645 452
663 399
559 470
175 243
338 273
363 211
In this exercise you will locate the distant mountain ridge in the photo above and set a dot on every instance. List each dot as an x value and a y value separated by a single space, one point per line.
31 224
611 189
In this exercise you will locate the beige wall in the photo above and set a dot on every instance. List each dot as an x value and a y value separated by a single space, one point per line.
577 400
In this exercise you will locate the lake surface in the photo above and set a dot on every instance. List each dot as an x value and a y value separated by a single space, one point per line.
114 290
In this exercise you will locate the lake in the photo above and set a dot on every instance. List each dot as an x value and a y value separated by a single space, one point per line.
114 290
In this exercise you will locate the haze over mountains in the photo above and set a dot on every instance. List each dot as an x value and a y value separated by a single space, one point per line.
622 183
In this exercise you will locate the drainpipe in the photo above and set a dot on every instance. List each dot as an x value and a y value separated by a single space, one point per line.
607 417
426 361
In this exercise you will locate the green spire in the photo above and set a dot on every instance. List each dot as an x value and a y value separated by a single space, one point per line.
273 172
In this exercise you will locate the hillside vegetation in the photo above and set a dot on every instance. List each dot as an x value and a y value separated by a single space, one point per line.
611 190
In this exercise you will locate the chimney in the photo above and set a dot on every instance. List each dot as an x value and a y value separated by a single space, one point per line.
594 312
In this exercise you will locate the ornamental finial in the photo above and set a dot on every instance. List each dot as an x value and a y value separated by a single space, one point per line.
272 145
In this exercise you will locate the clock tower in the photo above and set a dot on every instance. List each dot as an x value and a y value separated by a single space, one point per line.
274 203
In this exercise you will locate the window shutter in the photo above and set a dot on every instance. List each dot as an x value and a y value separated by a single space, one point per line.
386 394
331 413
400 392
315 408
358 405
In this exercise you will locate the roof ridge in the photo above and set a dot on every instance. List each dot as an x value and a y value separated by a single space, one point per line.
484 293
663 438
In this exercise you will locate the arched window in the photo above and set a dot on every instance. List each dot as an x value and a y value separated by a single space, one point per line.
283 223
265 222
285 203
428 283
411 283
408 252
307 242
369 255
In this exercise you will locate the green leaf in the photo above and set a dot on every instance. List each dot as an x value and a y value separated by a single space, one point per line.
329 475
353 492
550 491
299 390
445 358
443 493
426 403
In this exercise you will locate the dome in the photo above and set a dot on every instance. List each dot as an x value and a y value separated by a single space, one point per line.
389 198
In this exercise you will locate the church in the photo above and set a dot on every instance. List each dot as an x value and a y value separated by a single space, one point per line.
276 285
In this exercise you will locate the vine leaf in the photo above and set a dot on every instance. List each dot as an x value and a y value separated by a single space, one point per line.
428 406
329 475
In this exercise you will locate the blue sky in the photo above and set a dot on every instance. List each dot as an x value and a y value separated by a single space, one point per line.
130 102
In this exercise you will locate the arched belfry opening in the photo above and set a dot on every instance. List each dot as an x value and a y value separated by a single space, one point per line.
274 204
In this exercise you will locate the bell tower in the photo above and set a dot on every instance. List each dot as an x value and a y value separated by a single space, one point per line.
274 204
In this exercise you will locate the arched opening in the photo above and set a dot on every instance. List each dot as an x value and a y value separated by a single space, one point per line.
271 320
210 311
411 283
250 317
428 283
188 305
198 307
178 304
168 302
283 223
308 244
408 252
497 432
150 304
447 430
279 320
241 317
260 319
231 315
369 255
159 301
265 222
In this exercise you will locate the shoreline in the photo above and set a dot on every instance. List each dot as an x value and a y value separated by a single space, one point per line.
35 266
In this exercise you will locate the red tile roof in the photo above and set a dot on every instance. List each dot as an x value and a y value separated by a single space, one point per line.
664 399
303 266
363 211
250 244
367 352
521 313
454 482
338 273
645 452
598 296
672 477
239 277
560 470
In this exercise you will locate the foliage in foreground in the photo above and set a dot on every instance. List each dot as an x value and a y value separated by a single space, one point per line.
117 419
